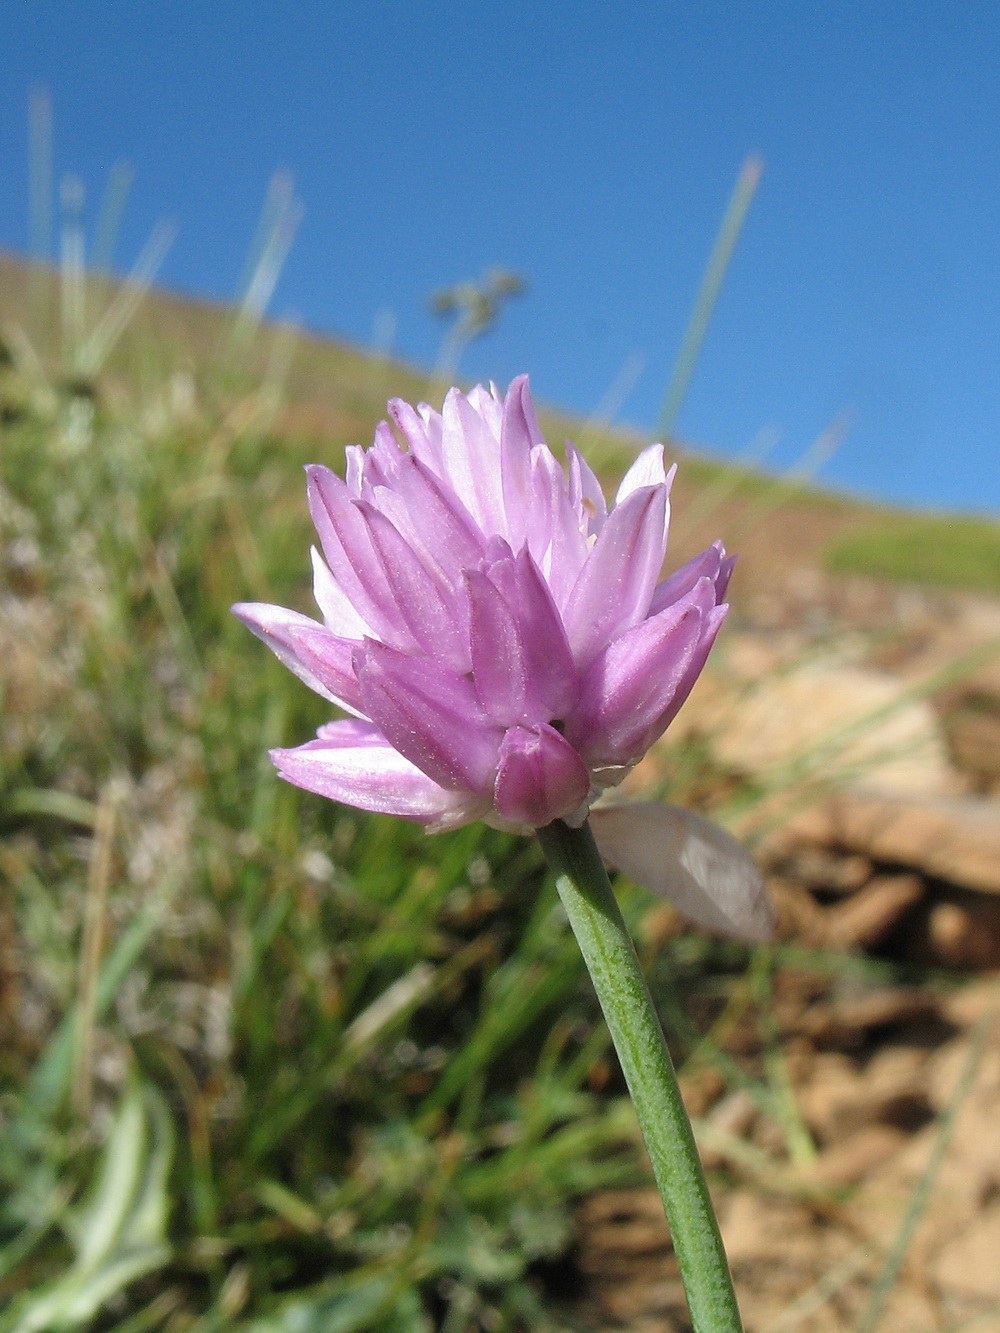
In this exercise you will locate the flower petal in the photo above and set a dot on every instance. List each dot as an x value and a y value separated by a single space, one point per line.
431 516
421 429
354 460
430 714
614 588
709 632
540 777
488 404
519 434
499 667
647 470
381 460
339 614
520 431
430 610
710 563
320 659
676 854
548 661
552 527
354 763
521 663
347 545
585 493
636 685
470 456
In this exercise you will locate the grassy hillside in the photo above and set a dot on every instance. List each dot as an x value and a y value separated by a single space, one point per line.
267 1063
326 393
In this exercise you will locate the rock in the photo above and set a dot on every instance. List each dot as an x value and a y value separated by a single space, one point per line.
825 871
965 935
981 1106
858 921
871 913
973 1002
832 1084
955 838
968 1263
969 634
835 723
850 1160
973 732
840 1098
966 1177
701 1089
853 1021
621 1225
624 1250
798 914
756 1228
730 1120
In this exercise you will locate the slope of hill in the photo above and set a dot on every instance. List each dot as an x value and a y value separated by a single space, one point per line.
242 1028
332 394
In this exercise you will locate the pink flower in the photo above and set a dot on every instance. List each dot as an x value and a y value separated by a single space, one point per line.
501 637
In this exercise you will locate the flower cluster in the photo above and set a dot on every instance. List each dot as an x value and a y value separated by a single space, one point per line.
501 637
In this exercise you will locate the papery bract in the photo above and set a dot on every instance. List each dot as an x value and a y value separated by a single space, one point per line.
502 638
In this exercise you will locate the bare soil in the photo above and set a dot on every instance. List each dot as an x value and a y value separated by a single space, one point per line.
878 1202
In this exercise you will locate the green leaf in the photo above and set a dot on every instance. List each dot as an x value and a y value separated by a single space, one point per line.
119 1231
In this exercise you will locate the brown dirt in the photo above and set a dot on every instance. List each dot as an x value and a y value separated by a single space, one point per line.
877 1080
893 1086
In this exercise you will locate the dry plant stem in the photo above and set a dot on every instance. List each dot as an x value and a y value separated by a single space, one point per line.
611 959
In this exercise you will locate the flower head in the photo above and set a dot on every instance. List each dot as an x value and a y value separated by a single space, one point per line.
500 635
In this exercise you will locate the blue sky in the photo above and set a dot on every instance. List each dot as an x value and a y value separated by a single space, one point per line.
591 149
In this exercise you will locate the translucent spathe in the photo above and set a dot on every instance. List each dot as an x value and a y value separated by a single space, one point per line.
501 637
682 856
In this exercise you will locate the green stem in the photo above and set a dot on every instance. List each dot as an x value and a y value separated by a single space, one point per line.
610 956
